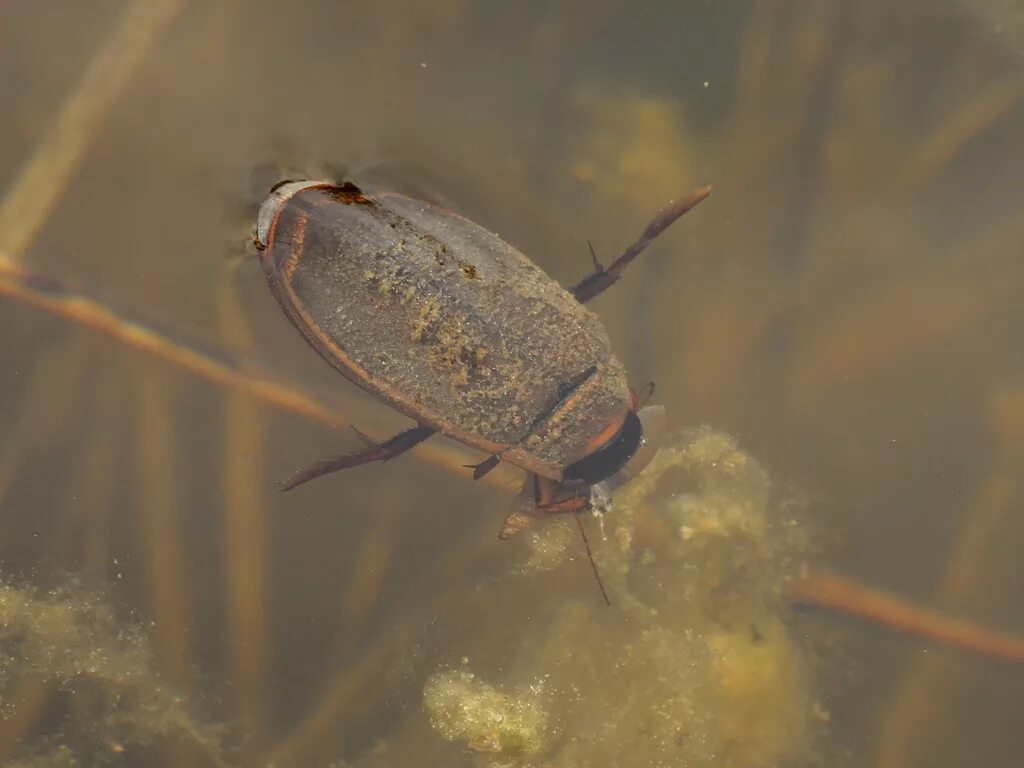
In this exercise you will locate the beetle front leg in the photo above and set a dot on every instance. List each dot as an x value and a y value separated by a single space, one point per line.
575 503
550 500
539 495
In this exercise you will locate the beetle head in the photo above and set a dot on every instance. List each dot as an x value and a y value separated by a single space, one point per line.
655 423
625 454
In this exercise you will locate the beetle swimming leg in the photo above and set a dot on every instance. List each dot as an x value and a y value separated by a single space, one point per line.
485 466
601 279
385 451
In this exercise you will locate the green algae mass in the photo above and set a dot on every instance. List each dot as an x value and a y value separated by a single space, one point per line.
464 708
68 646
695 662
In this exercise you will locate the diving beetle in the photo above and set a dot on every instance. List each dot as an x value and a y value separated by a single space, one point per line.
458 330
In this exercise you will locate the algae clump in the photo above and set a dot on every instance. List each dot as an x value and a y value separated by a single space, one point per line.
694 664
68 649
464 708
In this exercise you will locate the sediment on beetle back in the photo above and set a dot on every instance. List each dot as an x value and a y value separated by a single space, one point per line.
446 321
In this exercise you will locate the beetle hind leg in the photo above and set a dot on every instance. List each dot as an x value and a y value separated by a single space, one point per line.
601 279
385 451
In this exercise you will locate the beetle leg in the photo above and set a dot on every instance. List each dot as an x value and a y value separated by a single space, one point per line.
536 497
539 495
575 503
640 398
385 451
601 279
546 500
485 466
523 511
549 500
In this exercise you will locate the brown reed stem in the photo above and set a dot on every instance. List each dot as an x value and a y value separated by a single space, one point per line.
227 371
82 536
245 539
967 122
159 510
916 703
849 598
341 695
373 564
903 315
45 176
105 453
354 687
48 409
28 698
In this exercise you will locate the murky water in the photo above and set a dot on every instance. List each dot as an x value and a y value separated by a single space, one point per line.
845 305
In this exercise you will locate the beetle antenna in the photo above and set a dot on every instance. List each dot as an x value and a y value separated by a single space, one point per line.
590 556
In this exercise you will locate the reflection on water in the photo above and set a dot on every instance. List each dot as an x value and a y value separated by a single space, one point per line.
845 303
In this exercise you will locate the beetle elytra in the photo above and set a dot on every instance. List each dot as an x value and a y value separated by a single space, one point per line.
458 330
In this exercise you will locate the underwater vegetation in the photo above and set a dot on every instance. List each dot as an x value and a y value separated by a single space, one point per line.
695 664
66 655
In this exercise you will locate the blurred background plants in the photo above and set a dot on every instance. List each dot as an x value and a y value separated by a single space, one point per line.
845 304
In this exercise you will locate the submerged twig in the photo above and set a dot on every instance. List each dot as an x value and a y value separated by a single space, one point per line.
220 367
915 703
245 538
357 686
47 410
160 508
968 121
44 178
828 591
